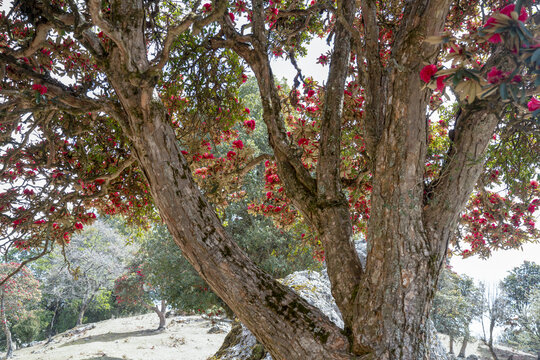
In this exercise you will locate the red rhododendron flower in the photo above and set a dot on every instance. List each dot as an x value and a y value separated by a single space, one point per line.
303 141
207 7
231 154
231 16
495 39
310 93
511 7
440 82
247 110
427 72
533 105
238 144
40 88
250 124
495 76
78 226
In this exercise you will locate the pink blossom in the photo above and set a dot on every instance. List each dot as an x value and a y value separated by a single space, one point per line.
427 72
533 105
495 39
238 144
495 76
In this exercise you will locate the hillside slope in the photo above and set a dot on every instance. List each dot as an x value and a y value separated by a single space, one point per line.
133 338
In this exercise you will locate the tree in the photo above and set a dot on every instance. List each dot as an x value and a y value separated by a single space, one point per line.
152 93
495 311
133 289
521 287
455 305
89 266
519 284
17 295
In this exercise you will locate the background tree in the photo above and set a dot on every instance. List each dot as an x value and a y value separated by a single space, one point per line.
17 296
83 272
357 153
495 311
521 287
457 302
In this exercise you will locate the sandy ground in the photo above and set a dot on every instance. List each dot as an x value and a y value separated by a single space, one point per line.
133 338
477 347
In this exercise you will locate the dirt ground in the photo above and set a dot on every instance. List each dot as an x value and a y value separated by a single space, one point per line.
133 338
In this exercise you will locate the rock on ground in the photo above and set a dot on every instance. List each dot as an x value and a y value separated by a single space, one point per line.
314 287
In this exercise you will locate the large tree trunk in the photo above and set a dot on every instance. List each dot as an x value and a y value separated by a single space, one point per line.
5 327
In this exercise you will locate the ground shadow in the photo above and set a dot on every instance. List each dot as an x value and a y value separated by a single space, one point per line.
111 337
104 358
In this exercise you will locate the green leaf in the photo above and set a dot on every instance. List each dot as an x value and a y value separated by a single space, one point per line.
503 91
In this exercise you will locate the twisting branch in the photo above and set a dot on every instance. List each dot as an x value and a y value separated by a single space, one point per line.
58 92
94 6
40 36
254 162
198 23
123 166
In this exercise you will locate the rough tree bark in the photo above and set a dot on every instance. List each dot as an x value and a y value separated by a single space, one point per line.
384 306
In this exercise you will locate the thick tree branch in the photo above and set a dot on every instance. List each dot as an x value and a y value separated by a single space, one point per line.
94 7
373 115
344 267
56 91
474 129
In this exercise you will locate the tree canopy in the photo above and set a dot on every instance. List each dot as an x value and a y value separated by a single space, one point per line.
132 106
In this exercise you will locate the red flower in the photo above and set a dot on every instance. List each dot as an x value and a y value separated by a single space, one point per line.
427 72
238 144
511 7
310 93
533 105
303 141
231 154
247 110
495 39
250 124
207 7
495 75
440 82
40 88
78 226
231 16
184 152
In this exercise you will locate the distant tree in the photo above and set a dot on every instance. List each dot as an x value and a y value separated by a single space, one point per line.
133 289
456 304
17 295
495 311
522 288
94 259
519 284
